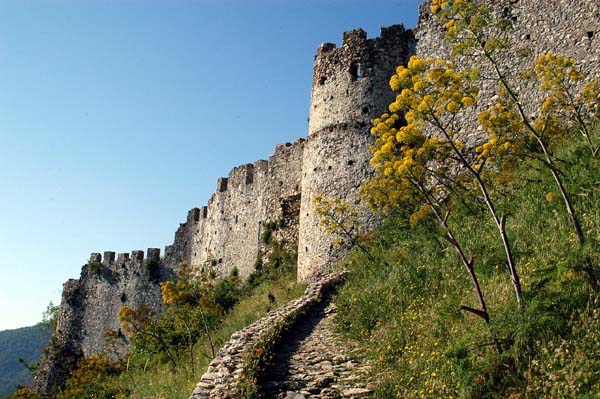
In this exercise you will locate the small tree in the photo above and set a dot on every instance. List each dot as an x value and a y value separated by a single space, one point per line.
91 380
146 332
433 96
412 170
343 220
50 317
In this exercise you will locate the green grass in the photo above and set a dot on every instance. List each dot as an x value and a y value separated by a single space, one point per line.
158 380
407 318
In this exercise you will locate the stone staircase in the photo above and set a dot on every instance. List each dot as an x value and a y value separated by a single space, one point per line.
309 362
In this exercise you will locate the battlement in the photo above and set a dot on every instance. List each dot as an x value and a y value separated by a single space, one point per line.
108 257
355 37
325 48
222 184
241 175
392 33
261 165
350 83
193 215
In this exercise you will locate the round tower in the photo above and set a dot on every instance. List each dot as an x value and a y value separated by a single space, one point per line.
350 87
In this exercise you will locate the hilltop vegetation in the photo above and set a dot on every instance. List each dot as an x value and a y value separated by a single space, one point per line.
407 313
22 343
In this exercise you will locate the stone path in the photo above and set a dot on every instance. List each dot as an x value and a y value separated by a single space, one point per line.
312 363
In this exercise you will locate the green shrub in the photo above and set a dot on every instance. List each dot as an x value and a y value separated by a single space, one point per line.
95 267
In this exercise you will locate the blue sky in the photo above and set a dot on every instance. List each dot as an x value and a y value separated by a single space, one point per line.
116 117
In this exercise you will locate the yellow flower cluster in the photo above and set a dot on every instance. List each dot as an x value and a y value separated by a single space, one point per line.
559 76
431 87
505 127
590 95
420 214
556 72
443 5
170 294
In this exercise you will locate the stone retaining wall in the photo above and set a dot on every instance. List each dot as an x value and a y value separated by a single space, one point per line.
222 376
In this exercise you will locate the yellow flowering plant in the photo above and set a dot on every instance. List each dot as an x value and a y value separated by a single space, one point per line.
414 169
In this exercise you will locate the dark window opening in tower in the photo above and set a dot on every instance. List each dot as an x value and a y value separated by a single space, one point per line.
590 34
322 80
355 71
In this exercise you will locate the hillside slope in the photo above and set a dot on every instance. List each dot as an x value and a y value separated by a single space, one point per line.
26 343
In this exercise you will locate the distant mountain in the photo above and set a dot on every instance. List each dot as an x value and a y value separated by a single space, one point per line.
26 343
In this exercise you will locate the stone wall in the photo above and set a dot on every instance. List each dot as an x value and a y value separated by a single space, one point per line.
227 231
90 307
570 27
350 88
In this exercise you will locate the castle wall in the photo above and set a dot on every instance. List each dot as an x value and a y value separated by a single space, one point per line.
227 231
124 281
89 309
350 88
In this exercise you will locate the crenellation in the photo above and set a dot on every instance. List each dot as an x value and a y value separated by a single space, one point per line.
241 176
222 184
95 257
261 166
153 254
193 215
108 258
354 38
389 34
137 256
282 147
325 48
122 257
249 173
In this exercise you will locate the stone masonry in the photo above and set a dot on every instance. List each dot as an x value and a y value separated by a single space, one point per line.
570 27
227 231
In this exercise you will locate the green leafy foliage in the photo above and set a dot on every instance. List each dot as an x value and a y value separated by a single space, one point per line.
171 350
91 380
95 267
